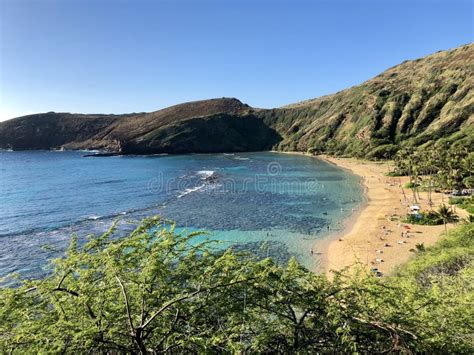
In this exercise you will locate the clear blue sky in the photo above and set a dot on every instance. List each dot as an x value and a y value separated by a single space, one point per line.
130 56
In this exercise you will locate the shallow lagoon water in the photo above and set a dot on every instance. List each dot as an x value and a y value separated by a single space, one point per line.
241 199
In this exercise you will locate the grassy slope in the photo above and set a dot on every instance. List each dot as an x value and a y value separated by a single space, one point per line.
454 253
440 284
416 102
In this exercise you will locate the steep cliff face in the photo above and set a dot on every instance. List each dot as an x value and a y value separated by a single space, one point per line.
417 102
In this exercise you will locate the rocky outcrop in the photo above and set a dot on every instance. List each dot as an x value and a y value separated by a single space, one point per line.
206 126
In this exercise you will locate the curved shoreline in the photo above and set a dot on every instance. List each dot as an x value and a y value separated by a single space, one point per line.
323 265
373 236
334 254
377 223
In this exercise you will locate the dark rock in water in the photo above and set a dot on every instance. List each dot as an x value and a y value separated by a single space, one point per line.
100 155
211 179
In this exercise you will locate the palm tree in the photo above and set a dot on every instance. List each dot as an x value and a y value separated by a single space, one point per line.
401 162
429 163
442 166
446 214
412 171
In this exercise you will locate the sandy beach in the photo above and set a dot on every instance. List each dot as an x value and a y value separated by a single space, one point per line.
373 237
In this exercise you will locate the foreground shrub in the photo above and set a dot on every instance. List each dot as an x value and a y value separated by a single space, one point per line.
158 291
443 276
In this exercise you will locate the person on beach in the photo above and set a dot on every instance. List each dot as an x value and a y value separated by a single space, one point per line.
311 251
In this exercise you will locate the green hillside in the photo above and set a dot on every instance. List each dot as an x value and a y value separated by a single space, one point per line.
415 103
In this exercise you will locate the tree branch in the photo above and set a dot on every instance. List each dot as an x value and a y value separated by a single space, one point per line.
189 295
73 293
176 317
59 288
169 304
127 305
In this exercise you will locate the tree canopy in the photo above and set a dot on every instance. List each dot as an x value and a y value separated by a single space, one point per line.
158 291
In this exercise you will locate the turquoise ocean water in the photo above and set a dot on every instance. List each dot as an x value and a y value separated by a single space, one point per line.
243 200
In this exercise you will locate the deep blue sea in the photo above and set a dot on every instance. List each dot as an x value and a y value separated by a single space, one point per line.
243 200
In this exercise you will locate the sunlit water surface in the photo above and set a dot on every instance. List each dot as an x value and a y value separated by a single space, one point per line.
243 200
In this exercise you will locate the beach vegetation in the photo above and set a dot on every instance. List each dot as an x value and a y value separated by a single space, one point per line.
446 214
466 203
420 247
443 215
411 185
427 218
440 167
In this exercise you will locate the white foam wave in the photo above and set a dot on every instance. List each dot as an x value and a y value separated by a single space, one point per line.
89 151
93 218
190 190
206 173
